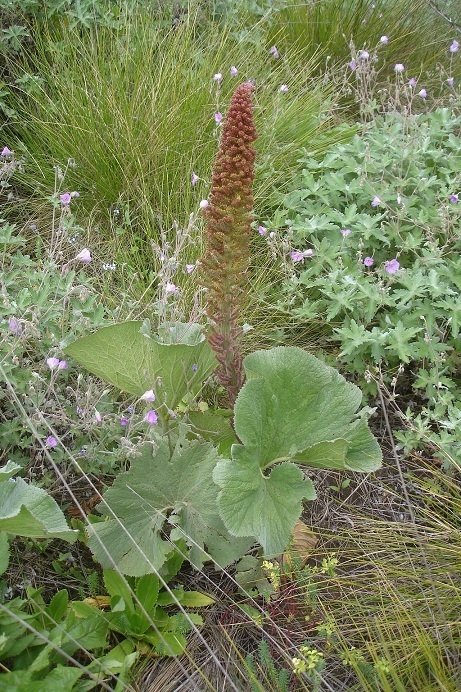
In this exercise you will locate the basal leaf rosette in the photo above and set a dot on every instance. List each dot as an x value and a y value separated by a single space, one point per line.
292 410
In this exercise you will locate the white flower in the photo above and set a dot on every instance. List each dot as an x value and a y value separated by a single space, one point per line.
148 395
84 256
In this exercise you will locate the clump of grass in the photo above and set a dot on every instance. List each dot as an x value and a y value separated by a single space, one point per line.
134 108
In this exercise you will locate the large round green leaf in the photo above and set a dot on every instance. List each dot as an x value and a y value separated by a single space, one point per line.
174 362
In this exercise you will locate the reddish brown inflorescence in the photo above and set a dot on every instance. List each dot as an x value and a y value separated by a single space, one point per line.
228 230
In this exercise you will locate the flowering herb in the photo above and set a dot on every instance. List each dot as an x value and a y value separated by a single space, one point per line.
228 230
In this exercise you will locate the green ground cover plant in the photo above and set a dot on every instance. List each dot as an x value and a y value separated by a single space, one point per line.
381 215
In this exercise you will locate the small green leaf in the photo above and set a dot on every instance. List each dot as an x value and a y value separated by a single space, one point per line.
196 599
147 589
117 585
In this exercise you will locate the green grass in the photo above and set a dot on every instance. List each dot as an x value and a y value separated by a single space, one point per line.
418 37
134 108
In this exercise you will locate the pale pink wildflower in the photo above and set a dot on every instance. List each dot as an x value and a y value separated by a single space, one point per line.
148 395
392 266
151 417
65 199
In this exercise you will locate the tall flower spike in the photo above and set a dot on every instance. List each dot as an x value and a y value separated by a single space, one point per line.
228 230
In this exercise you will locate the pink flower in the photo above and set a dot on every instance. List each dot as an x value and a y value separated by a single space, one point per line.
148 396
14 325
454 198
284 88
124 421
233 71
345 232
376 201
422 93
399 68
217 77
62 365
274 52
84 256
412 82
204 204
151 417
171 289
53 363
5 153
352 65
51 442
450 81
65 199
297 255
190 268
392 266
454 48
363 54
218 118
97 416
384 40
262 230
194 178
368 261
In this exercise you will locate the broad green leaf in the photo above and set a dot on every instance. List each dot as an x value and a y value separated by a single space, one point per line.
163 485
292 408
26 510
253 504
291 401
173 363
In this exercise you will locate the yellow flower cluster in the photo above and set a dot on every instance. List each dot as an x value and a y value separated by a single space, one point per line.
309 661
